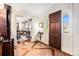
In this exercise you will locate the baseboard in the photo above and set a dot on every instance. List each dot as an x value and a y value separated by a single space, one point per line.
67 53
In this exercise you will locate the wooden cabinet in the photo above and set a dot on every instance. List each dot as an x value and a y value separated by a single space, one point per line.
8 48
0 48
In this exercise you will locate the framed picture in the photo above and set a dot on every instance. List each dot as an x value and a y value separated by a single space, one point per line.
66 21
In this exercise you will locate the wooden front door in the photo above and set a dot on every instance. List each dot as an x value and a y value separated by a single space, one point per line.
55 30
6 44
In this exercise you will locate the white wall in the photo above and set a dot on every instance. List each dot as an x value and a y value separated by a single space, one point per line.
35 27
76 29
13 27
45 38
66 41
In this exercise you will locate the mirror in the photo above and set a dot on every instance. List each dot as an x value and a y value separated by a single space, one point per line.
66 21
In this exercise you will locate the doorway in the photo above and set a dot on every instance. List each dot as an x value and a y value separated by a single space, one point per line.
55 30
23 29
6 42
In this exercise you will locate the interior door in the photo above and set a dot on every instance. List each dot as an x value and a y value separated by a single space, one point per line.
55 30
3 27
6 44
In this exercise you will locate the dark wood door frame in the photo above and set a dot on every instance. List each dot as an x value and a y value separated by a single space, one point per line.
8 42
55 29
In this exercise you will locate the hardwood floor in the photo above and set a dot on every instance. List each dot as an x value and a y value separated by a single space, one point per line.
37 49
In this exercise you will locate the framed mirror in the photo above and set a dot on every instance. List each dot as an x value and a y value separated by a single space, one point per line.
66 21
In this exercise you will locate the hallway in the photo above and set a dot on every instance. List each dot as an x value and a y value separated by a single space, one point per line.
37 49
42 24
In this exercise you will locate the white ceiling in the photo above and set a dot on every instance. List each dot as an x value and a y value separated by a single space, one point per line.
33 8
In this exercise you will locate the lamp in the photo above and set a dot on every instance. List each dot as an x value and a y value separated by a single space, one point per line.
40 31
